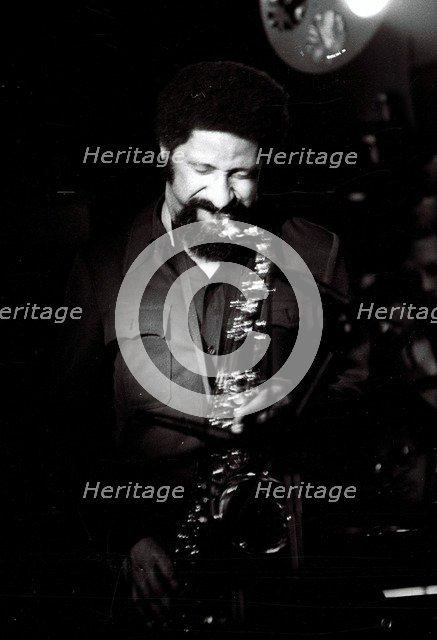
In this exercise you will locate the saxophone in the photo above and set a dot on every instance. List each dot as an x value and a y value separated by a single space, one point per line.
223 506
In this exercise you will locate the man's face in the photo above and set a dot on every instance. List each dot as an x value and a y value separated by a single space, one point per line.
423 261
214 178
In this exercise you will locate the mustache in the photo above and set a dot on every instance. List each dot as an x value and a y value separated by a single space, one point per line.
201 203
208 248
188 214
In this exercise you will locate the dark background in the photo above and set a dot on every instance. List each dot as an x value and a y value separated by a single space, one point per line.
87 74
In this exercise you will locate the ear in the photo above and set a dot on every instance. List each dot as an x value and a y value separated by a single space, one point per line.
164 152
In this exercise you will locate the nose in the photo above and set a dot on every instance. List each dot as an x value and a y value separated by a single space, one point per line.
219 192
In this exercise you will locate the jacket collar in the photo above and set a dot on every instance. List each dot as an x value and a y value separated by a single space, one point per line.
146 228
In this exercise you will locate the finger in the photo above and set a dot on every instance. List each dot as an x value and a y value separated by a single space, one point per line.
156 609
252 406
138 600
145 601
159 587
407 357
424 356
152 585
140 581
167 571
264 399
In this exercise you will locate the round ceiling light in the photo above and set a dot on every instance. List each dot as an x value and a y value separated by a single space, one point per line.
367 8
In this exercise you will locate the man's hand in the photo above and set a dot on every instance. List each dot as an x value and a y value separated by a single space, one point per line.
150 573
419 358
420 361
262 399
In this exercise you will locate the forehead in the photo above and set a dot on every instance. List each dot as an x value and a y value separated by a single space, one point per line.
424 251
219 149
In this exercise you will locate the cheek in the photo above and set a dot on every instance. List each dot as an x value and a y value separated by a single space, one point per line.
246 192
184 185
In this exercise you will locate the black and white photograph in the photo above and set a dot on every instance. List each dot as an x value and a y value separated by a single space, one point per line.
218 307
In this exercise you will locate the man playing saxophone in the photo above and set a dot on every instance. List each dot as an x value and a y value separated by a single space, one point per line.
211 121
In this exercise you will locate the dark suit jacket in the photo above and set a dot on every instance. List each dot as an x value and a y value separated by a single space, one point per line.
90 344
98 390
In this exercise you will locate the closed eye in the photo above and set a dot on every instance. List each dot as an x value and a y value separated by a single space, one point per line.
203 169
244 175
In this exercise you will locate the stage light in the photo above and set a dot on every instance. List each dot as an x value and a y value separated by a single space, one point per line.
367 8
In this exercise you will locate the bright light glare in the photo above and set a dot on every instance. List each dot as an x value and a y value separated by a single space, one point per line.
407 592
366 8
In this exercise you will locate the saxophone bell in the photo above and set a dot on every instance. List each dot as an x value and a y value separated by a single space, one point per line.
255 525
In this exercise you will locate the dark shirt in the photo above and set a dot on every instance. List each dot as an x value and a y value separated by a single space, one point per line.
212 308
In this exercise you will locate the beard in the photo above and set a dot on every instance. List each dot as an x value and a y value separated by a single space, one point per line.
208 248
